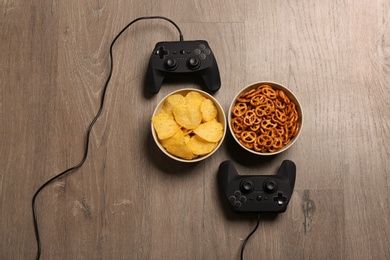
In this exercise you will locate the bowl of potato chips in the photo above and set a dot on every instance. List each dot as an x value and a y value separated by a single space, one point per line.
188 125
265 118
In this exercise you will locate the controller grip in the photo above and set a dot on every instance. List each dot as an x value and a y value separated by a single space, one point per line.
226 174
212 78
153 79
288 171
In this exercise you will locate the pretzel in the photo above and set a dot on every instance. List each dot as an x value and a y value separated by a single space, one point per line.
249 117
284 98
254 93
279 117
269 92
255 128
258 100
264 119
264 110
248 136
237 125
278 143
265 140
239 109
248 93
259 148
279 104
243 100
267 124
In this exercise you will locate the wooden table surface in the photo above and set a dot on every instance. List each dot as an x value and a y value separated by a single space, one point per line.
129 200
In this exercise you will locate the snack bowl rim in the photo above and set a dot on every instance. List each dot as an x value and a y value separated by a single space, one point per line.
221 118
277 86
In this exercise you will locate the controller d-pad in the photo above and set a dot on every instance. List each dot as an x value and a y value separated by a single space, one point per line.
280 198
162 52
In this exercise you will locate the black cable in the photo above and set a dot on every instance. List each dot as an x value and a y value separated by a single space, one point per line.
90 126
250 234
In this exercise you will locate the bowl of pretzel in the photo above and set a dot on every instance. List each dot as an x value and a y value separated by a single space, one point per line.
265 118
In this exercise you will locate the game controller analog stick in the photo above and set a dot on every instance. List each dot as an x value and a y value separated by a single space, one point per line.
270 185
170 59
171 64
257 193
193 63
247 186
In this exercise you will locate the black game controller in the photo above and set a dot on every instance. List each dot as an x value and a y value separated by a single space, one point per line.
180 57
257 193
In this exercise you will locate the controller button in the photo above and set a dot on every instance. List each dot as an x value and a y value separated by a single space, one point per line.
202 46
237 204
193 63
270 185
243 199
280 203
237 193
247 186
161 52
258 198
232 199
207 51
171 64
197 51
182 52
202 56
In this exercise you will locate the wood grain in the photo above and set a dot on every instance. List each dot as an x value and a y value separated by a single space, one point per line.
129 201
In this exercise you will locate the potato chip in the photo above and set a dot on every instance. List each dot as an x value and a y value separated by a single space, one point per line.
201 147
187 116
208 110
177 145
164 125
194 99
187 131
172 101
211 131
